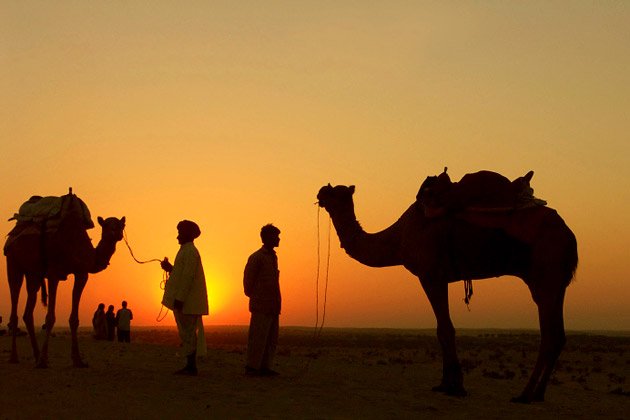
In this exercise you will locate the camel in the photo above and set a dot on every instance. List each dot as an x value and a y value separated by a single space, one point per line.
532 243
36 253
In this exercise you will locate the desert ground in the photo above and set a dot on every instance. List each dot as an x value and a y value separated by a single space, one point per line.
340 374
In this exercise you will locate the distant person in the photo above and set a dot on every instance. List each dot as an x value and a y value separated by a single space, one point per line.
98 322
261 282
185 293
123 322
110 320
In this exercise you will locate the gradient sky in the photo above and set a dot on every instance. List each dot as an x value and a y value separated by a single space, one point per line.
234 114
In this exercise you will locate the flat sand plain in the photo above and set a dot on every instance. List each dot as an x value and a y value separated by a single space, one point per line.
342 374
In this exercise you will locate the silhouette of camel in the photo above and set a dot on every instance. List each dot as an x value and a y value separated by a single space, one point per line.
36 252
531 243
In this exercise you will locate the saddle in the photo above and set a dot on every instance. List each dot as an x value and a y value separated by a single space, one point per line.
483 191
43 215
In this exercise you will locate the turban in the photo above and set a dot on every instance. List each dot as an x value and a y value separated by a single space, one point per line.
189 228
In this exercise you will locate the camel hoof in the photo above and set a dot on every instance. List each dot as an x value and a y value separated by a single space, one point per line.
41 365
14 360
80 364
451 390
439 388
521 399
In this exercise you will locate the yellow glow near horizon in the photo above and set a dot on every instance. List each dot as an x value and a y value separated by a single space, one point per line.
235 116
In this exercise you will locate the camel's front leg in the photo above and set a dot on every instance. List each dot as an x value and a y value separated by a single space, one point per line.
50 321
80 281
16 279
33 283
452 378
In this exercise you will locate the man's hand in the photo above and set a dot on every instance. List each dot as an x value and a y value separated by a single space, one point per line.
166 266
178 305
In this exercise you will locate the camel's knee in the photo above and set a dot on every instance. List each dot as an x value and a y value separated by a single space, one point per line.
446 332
74 322
13 322
28 318
50 321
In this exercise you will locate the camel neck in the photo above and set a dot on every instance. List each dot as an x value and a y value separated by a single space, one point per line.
103 253
380 249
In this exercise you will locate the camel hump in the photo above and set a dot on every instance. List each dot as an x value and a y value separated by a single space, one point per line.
483 190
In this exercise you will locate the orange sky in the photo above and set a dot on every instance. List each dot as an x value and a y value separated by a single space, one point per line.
234 114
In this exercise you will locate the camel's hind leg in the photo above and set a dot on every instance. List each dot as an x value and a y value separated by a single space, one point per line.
554 326
552 340
50 321
16 279
452 377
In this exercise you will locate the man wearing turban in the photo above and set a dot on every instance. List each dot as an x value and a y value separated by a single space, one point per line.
185 292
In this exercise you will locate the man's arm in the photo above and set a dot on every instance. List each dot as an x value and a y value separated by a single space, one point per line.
250 275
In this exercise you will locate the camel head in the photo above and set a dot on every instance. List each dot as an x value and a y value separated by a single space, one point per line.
335 198
112 228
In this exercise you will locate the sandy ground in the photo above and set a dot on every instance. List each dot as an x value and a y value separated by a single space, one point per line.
344 374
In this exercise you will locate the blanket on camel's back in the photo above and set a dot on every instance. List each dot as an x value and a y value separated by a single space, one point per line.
43 215
483 191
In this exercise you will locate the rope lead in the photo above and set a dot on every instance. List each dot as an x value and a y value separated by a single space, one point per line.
159 317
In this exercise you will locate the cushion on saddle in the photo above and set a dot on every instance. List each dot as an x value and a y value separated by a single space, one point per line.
39 209
479 191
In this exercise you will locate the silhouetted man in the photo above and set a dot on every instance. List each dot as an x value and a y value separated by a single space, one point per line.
123 321
261 282
185 292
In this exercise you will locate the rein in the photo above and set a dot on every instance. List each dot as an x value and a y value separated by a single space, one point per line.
317 325
159 317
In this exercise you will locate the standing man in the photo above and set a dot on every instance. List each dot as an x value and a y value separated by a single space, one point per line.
185 292
261 282
123 320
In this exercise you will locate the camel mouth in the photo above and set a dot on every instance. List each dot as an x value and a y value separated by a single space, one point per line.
321 195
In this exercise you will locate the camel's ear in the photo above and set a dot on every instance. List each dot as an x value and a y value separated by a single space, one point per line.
528 176
100 220
351 187
123 221
329 185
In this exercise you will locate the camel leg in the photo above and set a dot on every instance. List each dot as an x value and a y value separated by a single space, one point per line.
79 284
32 287
452 378
16 279
554 325
50 321
552 340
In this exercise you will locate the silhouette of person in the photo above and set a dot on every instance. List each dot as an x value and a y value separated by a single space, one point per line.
99 323
123 322
110 320
261 284
185 292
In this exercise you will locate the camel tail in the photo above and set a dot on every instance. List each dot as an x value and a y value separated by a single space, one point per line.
44 293
572 258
